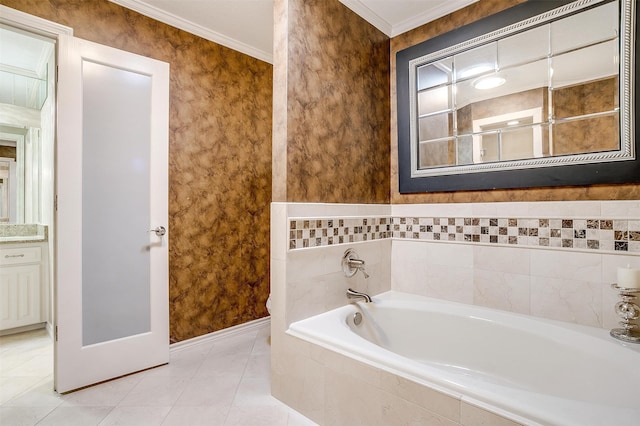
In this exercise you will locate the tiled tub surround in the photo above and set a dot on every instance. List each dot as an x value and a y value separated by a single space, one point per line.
454 336
540 259
309 282
563 283
550 281
314 279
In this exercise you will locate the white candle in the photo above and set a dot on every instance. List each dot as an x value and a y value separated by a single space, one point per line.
628 277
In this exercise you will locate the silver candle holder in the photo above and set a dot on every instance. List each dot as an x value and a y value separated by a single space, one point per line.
628 311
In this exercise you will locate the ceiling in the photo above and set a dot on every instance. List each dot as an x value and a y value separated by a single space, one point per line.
23 54
243 25
23 68
247 25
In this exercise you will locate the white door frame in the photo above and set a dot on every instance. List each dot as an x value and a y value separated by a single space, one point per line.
51 30
64 39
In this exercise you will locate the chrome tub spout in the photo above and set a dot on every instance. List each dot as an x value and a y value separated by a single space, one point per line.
352 294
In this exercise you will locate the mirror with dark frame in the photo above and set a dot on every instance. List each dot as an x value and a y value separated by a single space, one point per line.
541 94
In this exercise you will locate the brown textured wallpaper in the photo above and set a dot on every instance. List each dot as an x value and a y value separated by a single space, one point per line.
593 134
333 128
440 26
8 152
219 161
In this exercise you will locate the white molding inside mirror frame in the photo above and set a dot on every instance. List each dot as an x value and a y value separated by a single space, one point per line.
438 89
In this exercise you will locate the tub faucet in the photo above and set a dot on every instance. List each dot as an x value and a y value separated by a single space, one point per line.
359 266
352 294
351 264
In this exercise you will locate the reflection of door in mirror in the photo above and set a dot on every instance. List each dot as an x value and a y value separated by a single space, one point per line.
25 187
509 137
7 185
506 145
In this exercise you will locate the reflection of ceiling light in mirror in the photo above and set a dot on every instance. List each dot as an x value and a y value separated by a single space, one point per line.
475 70
513 123
488 83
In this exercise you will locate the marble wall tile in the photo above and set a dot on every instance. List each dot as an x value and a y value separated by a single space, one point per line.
563 283
369 374
299 380
349 401
430 210
322 210
498 275
566 265
315 282
219 161
501 290
447 282
502 259
621 209
567 300
337 105
396 410
440 26
443 403
472 415
436 270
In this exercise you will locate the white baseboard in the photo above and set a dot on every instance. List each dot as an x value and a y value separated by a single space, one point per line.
22 329
220 334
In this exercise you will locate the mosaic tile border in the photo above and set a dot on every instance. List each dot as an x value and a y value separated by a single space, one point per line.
610 235
305 233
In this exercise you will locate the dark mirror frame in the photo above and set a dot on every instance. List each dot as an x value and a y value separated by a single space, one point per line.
627 171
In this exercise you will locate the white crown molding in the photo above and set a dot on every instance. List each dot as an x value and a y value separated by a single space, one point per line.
369 15
193 28
429 15
32 23
393 30
19 71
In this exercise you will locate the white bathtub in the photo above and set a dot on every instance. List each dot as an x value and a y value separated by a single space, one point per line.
533 371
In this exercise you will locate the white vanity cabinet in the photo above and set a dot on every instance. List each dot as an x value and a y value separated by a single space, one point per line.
21 284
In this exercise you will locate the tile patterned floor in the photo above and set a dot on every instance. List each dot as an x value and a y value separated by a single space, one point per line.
222 382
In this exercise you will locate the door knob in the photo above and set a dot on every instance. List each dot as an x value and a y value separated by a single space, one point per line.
160 231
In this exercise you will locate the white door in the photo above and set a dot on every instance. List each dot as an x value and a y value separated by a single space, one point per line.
112 313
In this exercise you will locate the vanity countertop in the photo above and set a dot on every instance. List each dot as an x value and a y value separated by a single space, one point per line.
23 233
